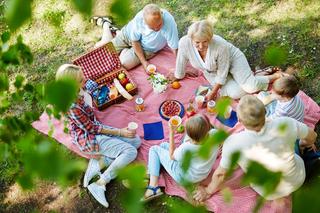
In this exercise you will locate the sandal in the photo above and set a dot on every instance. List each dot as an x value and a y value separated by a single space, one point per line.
156 192
100 20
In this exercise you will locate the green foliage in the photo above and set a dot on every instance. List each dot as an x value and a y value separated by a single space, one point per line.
17 12
134 174
121 11
61 94
275 55
4 151
222 105
227 195
83 6
5 37
307 197
37 157
212 142
283 128
4 82
55 17
186 161
235 157
17 53
257 174
178 206
19 81
259 203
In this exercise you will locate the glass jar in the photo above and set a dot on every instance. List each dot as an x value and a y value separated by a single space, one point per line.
139 104
211 106
190 109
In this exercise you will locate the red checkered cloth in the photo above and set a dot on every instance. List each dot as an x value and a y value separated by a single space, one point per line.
99 61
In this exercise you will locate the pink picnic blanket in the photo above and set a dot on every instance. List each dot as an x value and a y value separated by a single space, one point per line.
119 115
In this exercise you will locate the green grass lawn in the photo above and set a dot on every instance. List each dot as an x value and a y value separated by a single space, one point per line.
57 34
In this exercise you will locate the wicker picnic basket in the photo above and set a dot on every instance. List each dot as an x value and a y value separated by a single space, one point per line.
102 65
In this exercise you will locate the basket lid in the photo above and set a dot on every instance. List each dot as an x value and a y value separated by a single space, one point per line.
99 61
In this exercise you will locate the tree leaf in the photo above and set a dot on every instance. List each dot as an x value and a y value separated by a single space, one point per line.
83 6
182 206
25 181
134 174
306 196
222 105
19 81
227 195
5 36
275 55
4 82
258 175
186 161
121 11
211 142
234 162
60 94
4 151
17 12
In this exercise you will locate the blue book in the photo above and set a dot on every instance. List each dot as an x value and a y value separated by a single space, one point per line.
153 131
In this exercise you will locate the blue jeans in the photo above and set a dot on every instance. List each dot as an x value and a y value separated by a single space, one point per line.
118 152
159 155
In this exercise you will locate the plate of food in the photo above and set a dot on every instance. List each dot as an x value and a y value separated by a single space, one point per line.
170 108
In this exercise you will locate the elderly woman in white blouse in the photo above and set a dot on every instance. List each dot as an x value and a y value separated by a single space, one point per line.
224 65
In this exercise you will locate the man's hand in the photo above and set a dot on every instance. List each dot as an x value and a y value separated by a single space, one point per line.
201 195
145 65
310 147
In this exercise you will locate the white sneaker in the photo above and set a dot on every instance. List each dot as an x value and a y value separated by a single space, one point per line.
97 192
92 170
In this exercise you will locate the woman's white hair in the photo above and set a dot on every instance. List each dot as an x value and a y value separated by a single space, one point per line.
69 71
251 111
201 29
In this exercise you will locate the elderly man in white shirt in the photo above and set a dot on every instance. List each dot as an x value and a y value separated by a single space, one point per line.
266 143
146 34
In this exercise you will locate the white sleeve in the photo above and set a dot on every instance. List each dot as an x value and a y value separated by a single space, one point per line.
182 60
302 129
227 152
223 62
179 153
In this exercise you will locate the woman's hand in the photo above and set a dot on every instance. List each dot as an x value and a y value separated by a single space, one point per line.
127 133
170 76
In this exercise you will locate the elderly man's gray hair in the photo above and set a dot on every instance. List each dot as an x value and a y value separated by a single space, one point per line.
151 9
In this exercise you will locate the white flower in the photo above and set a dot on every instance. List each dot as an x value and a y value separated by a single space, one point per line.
158 82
